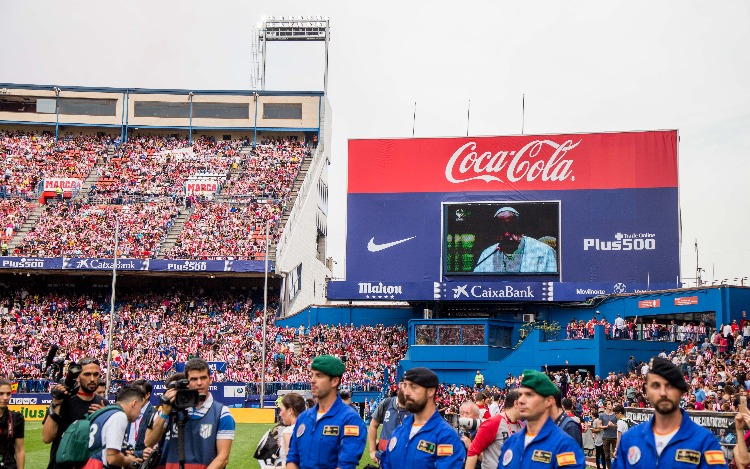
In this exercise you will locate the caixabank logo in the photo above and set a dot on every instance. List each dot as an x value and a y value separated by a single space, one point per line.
489 292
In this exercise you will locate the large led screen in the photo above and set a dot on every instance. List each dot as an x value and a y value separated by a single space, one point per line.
501 238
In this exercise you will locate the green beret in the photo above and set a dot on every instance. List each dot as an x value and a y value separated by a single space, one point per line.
329 365
539 382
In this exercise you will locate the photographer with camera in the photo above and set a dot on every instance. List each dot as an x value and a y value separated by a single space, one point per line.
71 401
208 425
468 422
107 437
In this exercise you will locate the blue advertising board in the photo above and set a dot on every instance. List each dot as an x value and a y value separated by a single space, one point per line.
146 265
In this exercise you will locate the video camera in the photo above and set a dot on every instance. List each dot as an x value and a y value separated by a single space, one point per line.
185 398
54 369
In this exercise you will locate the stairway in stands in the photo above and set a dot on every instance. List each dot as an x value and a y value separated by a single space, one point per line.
174 234
29 223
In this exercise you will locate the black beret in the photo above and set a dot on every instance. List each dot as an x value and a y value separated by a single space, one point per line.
667 370
423 377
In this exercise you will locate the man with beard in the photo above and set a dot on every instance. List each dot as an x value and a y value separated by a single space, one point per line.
63 412
541 444
425 439
670 438
513 251
391 412
330 434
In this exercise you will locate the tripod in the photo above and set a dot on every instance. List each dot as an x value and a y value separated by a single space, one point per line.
182 417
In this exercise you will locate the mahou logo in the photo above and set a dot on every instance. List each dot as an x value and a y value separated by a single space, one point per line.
527 164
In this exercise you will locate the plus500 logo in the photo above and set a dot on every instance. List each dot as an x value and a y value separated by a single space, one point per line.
622 242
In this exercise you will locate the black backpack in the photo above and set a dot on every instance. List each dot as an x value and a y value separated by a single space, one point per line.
268 449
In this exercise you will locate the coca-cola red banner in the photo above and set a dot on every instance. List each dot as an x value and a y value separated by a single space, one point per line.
518 163
593 212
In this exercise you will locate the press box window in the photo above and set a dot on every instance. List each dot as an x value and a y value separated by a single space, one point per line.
221 110
161 109
282 111
88 107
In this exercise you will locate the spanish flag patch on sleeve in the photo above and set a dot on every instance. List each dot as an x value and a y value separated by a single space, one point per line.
715 457
566 459
351 430
445 450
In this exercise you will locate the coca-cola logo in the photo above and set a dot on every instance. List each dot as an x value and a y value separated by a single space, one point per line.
529 163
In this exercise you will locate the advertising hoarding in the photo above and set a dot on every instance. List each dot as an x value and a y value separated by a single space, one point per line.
605 204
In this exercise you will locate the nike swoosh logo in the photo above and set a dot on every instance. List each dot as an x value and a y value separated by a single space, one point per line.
372 247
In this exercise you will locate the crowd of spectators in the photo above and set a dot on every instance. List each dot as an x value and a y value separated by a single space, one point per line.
149 166
225 230
629 329
154 331
27 158
13 212
77 229
143 185
270 169
716 369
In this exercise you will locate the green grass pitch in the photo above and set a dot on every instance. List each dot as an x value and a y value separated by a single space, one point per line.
245 440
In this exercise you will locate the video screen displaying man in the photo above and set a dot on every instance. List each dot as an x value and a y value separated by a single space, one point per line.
502 238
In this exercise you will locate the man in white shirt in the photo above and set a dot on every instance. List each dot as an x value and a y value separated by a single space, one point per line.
108 431
619 326
495 407
622 425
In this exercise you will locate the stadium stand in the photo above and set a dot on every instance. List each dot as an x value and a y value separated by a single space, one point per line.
13 212
79 229
153 331
142 183
29 157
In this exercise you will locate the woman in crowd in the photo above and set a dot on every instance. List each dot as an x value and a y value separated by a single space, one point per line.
292 405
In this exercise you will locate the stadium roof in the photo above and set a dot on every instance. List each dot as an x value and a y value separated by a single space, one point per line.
102 89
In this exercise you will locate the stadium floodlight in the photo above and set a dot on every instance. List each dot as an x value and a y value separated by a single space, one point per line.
292 28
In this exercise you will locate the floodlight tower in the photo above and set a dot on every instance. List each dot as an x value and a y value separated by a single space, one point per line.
290 28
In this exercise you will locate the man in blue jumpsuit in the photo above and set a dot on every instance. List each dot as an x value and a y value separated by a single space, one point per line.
670 438
330 435
424 439
541 444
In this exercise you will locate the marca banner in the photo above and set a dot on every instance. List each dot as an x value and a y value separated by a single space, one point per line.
201 186
593 211
719 423
151 265
66 184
